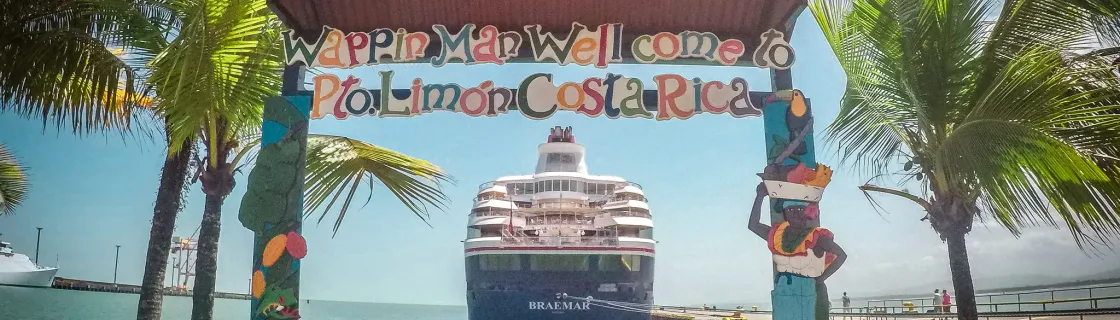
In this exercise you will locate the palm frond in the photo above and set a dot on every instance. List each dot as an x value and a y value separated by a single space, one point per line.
54 66
339 166
13 182
907 72
222 65
1025 24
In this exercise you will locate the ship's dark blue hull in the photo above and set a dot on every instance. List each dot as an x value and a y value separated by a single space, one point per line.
525 287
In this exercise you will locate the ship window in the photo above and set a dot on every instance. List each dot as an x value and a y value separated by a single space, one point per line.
548 186
530 188
646 233
565 185
592 188
473 233
499 262
581 186
616 262
555 185
558 262
561 162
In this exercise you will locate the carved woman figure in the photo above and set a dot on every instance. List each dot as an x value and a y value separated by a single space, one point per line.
804 257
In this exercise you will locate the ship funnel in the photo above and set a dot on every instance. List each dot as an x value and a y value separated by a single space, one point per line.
561 153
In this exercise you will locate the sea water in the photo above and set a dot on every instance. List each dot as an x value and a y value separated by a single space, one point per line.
53 304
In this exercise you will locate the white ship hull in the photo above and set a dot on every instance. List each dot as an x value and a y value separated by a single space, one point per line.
39 278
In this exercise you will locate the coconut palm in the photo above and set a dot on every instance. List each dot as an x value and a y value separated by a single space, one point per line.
56 66
212 81
13 182
989 120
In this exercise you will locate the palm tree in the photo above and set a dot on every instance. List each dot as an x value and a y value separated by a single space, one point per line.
212 81
13 182
992 120
55 66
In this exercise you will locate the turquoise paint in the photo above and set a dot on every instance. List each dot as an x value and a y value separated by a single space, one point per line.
774 120
794 297
272 132
302 104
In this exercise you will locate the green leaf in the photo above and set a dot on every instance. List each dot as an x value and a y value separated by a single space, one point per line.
13 182
338 166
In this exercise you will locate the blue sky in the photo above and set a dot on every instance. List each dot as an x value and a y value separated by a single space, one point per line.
91 194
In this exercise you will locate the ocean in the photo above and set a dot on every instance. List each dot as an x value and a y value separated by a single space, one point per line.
53 304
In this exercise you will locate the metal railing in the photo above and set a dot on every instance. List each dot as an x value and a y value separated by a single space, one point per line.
560 241
492 213
485 185
629 213
626 198
488 184
1090 298
489 197
543 221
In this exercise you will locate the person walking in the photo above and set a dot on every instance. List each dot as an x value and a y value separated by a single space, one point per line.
936 301
946 300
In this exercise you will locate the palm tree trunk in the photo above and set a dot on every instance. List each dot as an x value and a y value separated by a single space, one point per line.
207 261
962 276
169 200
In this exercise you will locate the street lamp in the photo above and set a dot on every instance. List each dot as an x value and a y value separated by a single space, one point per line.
116 263
38 235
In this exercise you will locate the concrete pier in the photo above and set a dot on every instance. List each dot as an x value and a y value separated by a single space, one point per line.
86 285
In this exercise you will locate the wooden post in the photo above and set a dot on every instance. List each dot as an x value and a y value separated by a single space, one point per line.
273 203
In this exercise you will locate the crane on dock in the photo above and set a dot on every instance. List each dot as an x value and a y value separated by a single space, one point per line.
183 264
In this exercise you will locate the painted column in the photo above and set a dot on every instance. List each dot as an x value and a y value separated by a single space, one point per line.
273 208
792 178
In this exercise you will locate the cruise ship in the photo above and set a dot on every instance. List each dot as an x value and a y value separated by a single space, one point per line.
18 270
561 230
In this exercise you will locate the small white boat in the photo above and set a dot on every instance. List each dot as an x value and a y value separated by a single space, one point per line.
18 270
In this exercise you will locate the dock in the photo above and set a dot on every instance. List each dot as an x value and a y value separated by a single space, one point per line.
96 286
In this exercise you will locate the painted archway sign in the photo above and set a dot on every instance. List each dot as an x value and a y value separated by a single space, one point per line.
537 97
599 46
804 254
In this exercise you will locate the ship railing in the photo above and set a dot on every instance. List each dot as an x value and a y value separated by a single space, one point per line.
491 197
559 241
541 221
626 198
485 185
492 213
628 213
562 205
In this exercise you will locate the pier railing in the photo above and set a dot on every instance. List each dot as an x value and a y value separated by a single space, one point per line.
1076 298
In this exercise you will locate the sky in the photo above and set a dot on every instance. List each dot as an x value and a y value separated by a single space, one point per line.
93 193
